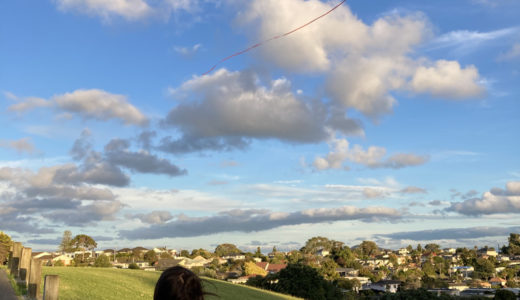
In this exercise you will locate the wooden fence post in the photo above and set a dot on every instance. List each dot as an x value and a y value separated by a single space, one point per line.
10 258
35 279
51 287
17 252
25 265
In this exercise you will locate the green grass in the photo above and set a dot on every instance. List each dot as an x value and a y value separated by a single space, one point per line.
116 284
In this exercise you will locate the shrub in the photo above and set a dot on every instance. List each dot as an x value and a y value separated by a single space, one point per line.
102 262
133 266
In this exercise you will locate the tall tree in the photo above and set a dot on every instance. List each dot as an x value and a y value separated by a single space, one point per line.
5 243
66 242
226 249
83 242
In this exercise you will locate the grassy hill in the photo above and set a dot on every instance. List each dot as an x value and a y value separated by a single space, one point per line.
116 284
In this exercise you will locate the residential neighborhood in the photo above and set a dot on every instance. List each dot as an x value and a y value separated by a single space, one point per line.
364 269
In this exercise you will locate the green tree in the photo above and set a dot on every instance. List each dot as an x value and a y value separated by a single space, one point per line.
433 248
328 269
150 256
66 242
102 262
305 282
83 242
351 285
368 249
514 244
226 249
5 244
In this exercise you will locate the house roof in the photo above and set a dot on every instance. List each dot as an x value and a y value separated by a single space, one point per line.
165 263
276 267
262 265
496 279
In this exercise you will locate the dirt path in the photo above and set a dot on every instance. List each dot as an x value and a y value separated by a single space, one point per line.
6 290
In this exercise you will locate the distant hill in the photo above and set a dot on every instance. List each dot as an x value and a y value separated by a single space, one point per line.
117 284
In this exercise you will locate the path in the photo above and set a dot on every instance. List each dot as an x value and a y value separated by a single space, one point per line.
6 290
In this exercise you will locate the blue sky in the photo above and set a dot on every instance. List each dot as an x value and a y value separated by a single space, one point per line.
394 121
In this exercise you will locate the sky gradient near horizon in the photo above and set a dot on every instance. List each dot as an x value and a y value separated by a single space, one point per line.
392 121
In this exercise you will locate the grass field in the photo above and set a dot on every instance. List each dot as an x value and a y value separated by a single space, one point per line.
116 284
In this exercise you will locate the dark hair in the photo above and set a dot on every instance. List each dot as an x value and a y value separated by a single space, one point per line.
178 283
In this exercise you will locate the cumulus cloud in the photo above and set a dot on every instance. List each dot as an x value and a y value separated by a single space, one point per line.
492 202
234 107
452 233
364 63
446 79
21 145
257 220
373 157
89 104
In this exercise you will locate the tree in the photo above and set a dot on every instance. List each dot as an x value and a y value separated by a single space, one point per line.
514 245
83 242
317 243
305 282
351 285
150 256
328 269
66 242
5 244
368 249
433 248
102 262
226 249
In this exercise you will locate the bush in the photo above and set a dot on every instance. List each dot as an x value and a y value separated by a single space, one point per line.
133 266
505 295
59 263
102 262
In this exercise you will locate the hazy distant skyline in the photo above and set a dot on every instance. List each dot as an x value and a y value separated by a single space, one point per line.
393 121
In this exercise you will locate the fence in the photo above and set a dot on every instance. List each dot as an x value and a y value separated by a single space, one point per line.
27 273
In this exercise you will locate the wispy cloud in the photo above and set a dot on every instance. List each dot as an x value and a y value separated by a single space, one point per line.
465 41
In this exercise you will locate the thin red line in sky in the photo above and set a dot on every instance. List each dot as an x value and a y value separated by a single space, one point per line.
273 38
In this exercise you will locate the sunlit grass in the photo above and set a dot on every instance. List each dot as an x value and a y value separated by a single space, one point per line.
117 284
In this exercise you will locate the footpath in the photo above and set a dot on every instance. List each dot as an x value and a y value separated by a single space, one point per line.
6 290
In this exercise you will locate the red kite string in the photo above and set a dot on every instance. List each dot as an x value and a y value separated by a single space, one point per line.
273 38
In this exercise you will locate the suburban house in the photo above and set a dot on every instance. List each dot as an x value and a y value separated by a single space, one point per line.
347 272
234 257
497 282
386 286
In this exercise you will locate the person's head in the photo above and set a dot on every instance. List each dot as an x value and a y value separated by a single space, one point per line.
178 283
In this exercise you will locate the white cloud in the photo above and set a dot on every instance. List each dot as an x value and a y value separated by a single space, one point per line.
373 157
128 9
187 51
466 40
90 104
363 63
495 201
222 110
446 79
